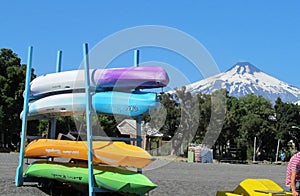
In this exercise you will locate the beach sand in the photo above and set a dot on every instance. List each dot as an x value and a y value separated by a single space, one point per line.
172 177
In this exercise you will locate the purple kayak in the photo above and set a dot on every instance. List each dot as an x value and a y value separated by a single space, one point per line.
131 77
128 78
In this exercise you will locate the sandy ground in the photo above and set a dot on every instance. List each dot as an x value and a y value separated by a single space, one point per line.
172 177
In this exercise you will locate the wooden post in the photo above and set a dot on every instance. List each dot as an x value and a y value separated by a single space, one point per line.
254 149
278 143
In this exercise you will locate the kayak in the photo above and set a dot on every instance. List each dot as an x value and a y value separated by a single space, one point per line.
101 79
121 103
131 77
106 152
106 177
257 187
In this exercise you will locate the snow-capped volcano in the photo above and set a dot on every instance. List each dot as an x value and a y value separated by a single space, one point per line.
244 78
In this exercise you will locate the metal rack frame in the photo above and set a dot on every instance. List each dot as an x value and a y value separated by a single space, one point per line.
19 178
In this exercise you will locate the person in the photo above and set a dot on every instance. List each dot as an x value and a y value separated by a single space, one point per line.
293 174
282 155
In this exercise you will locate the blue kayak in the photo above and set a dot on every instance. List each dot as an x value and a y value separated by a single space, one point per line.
121 103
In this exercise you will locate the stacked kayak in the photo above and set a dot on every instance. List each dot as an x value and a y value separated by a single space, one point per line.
121 103
106 177
113 91
142 77
105 152
62 93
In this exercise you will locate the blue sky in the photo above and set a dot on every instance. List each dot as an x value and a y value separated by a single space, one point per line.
264 33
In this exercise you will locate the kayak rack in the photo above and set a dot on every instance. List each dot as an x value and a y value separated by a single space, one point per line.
19 178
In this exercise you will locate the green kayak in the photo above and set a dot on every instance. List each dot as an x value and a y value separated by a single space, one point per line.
106 177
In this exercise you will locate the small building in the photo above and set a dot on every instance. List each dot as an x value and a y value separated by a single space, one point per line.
127 128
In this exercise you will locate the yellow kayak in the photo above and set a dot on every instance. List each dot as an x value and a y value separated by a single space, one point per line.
106 152
256 187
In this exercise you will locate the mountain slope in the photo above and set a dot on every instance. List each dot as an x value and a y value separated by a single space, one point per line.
244 78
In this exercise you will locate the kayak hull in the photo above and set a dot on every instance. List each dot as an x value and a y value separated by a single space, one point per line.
106 152
106 177
120 103
141 77
131 77
257 187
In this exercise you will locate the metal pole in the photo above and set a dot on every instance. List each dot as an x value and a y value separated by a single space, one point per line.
53 127
19 172
277 151
139 135
88 119
54 120
138 118
254 149
136 58
139 130
58 61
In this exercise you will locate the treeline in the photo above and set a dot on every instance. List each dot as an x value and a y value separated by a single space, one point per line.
244 119
219 121
12 81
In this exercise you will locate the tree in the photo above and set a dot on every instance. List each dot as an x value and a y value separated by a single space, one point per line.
255 121
231 121
204 117
12 83
108 126
165 118
287 123
216 120
189 120
229 131
178 118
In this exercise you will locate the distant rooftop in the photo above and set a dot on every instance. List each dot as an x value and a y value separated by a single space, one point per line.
128 127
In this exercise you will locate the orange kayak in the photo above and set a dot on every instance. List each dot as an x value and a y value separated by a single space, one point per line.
106 152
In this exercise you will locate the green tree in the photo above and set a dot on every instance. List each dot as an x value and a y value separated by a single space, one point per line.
287 123
167 117
255 121
204 117
216 120
177 118
189 120
12 79
108 126
229 131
